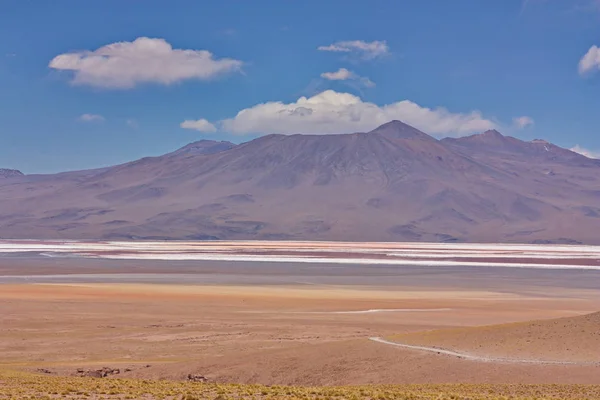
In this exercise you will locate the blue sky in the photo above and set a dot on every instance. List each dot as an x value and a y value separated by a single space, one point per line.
451 68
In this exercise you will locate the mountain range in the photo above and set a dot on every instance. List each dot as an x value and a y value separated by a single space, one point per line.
394 183
9 173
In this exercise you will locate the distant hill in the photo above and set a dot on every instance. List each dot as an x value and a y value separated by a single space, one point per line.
394 183
9 173
572 339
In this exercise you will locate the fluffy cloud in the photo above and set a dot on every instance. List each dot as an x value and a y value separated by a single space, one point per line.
334 112
583 151
132 123
343 74
201 125
340 75
590 61
523 122
366 50
124 65
91 118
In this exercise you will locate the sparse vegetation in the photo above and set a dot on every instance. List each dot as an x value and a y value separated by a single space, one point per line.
20 385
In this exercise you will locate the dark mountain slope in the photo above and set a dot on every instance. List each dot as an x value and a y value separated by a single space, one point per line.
9 173
493 143
204 147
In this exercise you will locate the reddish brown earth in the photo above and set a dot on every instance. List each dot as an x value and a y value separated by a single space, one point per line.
571 339
276 334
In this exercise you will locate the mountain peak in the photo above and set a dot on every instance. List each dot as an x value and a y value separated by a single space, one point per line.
490 137
10 173
400 130
395 123
492 133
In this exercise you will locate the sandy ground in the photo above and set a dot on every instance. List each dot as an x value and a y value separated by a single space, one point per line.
571 339
237 329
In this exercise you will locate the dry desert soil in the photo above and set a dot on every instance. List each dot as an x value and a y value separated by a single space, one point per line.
222 323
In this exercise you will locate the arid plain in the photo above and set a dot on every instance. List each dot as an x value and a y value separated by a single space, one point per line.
301 322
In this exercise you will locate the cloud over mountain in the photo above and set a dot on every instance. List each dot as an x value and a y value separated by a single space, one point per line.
201 125
522 122
335 112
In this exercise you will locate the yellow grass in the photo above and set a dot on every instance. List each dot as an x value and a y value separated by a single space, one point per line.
20 385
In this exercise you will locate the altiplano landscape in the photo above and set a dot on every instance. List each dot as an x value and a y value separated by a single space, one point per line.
177 268
316 200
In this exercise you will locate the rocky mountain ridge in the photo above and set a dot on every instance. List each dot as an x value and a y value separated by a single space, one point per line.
395 183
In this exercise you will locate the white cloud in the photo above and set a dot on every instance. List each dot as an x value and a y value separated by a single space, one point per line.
590 61
124 65
367 50
91 118
583 151
340 75
343 74
334 112
201 125
523 122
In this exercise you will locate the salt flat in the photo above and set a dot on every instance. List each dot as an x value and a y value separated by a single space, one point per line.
422 254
